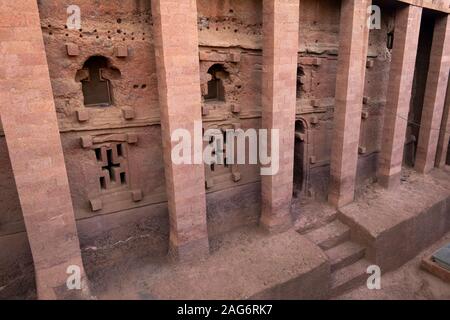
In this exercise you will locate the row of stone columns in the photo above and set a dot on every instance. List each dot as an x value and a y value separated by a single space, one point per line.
349 96
179 91
433 105
404 53
29 121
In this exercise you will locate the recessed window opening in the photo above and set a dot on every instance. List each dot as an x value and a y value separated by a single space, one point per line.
216 90
96 88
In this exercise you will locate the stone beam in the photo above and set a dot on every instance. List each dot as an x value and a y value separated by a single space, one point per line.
353 46
280 48
439 5
31 129
401 76
177 59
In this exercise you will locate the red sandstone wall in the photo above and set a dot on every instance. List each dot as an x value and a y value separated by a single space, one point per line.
318 49
123 221
230 34
231 23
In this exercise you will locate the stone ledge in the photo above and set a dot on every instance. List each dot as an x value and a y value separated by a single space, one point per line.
284 266
396 225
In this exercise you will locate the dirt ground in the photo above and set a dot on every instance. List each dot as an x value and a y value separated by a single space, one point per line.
409 282
406 283
243 264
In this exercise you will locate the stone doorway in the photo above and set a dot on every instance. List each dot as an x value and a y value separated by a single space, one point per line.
301 169
419 87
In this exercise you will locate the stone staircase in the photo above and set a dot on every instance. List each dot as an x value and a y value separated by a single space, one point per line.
347 258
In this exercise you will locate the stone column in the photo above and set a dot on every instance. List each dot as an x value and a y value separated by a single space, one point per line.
280 50
401 76
436 88
177 59
353 46
31 129
444 137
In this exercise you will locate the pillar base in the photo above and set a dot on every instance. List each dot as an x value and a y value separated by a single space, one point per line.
47 289
276 223
422 168
391 182
192 251
84 294
339 201
441 165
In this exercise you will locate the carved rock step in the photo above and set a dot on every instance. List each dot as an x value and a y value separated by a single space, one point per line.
349 277
345 254
330 235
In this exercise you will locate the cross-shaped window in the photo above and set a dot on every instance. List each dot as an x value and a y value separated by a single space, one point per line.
113 173
96 89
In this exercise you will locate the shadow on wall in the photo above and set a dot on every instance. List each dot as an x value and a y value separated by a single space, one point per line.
17 277
448 154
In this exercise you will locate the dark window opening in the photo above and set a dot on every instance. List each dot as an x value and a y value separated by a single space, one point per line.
447 162
300 79
98 154
123 179
110 166
102 183
225 160
96 87
216 90
113 173
300 157
219 151
390 40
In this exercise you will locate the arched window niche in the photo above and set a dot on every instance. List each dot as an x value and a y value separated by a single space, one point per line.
216 90
95 78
